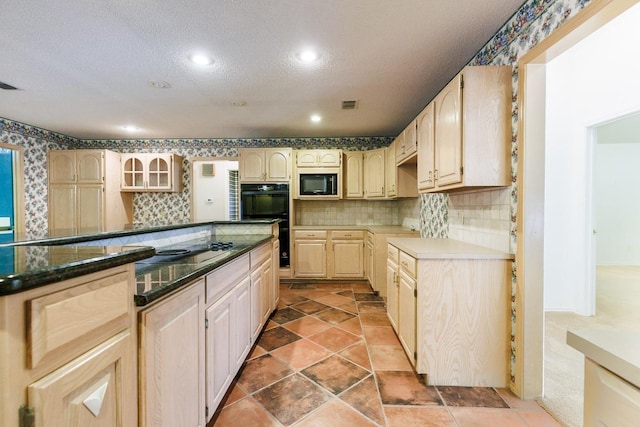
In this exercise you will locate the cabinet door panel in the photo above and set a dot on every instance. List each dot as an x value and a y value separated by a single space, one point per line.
426 147
96 390
90 166
62 167
62 207
242 322
278 165
347 259
220 366
311 258
374 173
90 207
407 316
252 165
353 175
172 360
448 131
392 293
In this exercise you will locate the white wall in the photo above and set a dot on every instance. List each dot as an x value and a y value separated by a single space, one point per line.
617 201
210 193
588 85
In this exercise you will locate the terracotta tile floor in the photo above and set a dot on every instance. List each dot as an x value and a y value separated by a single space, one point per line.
329 357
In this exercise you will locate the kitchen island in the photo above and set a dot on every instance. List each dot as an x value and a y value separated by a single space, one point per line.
90 332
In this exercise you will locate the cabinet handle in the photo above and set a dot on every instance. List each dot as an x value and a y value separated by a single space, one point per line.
430 176
435 175
395 277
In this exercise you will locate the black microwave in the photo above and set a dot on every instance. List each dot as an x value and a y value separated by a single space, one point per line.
318 184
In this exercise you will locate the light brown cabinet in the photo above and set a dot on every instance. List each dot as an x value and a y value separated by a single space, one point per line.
318 158
453 317
172 350
369 258
265 165
390 176
406 143
74 363
353 175
261 288
393 282
374 173
310 253
470 132
346 254
84 191
151 172
335 255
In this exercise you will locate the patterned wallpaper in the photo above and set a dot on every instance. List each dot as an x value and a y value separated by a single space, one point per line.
533 22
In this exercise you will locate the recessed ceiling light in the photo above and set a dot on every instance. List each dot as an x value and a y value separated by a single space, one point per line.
308 56
200 59
131 128
316 118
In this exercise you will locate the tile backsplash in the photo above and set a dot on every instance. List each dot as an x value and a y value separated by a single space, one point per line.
355 212
482 218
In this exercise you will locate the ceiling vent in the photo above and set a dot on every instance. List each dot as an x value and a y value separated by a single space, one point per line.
349 105
5 86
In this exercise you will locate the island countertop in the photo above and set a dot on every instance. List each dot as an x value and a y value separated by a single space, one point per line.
159 279
27 267
437 248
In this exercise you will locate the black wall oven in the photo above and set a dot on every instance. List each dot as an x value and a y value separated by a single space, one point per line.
264 201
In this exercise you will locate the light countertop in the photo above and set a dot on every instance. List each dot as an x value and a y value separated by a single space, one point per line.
615 350
429 248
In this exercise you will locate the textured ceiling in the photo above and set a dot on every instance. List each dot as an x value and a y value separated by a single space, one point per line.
82 67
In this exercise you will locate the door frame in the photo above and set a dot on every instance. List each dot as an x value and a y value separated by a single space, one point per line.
18 187
529 334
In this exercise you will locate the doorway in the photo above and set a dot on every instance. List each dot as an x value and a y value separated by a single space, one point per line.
11 192
534 78
215 190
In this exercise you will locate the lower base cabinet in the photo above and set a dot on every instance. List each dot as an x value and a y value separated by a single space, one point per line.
172 340
72 353
452 317
194 342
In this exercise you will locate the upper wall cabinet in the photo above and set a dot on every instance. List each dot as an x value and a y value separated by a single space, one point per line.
374 174
468 124
265 165
151 172
406 143
353 175
318 158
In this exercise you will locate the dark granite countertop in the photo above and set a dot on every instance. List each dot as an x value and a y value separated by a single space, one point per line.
27 267
69 237
157 280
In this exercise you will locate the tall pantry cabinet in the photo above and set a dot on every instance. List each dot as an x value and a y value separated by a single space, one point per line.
84 191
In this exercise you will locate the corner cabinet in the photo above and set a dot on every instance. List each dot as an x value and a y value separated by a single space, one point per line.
72 348
464 134
151 172
265 165
84 191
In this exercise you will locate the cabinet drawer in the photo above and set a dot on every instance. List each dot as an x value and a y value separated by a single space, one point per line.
258 255
408 264
310 234
223 279
347 235
71 321
392 253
